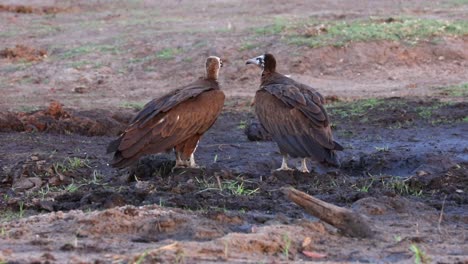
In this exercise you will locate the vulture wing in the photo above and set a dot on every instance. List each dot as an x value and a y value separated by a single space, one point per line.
295 116
303 98
168 121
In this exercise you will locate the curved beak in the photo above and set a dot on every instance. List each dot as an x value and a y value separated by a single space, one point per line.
252 61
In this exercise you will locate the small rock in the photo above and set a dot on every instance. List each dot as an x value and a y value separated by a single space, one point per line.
47 205
144 186
48 257
67 247
422 173
80 89
27 184
256 132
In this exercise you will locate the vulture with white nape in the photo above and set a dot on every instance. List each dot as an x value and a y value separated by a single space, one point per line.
294 115
176 121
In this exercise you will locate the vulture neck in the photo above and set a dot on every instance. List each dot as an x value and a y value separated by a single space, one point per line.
212 73
267 75
269 70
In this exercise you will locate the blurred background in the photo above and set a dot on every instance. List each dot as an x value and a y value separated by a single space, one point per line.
108 54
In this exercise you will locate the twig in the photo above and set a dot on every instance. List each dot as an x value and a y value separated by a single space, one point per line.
220 186
441 215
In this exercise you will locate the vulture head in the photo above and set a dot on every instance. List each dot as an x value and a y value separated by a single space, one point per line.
266 62
213 64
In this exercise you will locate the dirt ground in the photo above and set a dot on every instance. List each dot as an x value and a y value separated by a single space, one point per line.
73 73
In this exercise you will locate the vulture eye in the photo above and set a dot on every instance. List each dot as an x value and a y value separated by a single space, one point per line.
260 61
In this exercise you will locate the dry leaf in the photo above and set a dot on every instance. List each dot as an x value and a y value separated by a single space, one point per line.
306 242
314 255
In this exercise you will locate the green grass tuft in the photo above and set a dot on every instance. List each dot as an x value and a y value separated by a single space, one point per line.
168 53
353 109
87 49
411 30
71 164
133 105
460 90
248 46
277 27
420 256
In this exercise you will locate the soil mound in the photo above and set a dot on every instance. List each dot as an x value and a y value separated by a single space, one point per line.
23 9
23 53
57 119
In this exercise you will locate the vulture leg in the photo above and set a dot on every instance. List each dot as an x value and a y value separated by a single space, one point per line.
303 167
284 165
184 152
179 163
192 163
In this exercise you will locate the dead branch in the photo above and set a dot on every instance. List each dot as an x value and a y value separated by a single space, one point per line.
347 221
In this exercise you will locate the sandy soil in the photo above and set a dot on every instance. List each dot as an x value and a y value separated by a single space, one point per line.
72 73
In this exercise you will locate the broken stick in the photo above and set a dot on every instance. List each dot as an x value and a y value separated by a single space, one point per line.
347 221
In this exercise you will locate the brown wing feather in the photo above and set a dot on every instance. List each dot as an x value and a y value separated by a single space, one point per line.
170 100
168 121
296 121
308 101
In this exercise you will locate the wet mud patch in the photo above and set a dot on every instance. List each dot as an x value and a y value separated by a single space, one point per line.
396 176
397 112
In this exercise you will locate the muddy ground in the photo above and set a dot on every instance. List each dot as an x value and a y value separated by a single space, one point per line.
75 72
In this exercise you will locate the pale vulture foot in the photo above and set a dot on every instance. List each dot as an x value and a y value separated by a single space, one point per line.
284 165
179 163
192 163
303 168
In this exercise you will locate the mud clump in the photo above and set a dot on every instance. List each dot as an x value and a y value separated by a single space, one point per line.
10 122
23 53
60 120
23 9
256 132
332 99
451 184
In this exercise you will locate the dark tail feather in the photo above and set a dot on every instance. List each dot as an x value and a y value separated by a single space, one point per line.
321 153
114 145
305 146
120 162
291 145
332 159
338 146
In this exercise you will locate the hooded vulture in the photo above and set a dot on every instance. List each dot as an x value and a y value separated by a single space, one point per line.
294 115
176 121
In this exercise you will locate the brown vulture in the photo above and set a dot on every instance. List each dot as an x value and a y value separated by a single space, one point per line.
176 121
294 115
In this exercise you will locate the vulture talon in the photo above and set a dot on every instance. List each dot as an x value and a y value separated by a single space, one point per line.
284 169
284 165
303 168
